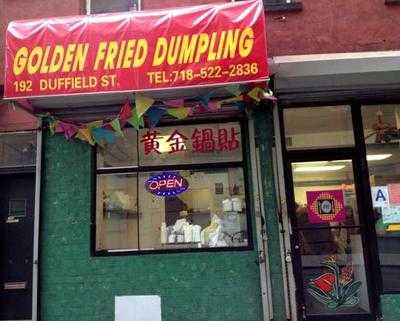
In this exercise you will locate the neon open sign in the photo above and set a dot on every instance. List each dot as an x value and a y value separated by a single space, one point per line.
167 184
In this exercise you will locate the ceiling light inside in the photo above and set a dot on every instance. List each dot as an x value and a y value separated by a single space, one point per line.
377 157
328 168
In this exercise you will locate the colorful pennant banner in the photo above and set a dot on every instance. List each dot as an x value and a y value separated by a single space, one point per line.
105 131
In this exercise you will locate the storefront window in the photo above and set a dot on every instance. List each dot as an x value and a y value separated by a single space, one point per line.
329 238
318 127
188 190
17 149
122 153
382 138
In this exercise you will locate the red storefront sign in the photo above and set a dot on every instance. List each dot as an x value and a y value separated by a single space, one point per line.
137 51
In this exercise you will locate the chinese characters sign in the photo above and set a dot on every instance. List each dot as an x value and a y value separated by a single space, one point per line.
135 51
203 140
325 206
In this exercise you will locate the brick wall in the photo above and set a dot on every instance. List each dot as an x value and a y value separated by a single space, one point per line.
75 286
324 26
31 9
327 26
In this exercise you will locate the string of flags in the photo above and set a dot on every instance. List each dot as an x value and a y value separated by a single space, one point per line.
105 131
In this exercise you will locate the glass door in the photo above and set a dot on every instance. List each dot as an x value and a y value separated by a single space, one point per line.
328 246
332 233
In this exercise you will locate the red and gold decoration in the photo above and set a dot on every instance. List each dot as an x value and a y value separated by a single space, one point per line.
325 206
336 288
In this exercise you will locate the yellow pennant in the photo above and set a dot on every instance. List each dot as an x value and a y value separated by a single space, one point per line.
85 135
94 124
231 100
256 93
142 104
180 113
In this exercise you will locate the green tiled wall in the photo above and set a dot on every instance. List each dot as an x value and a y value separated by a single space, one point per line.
74 286
390 307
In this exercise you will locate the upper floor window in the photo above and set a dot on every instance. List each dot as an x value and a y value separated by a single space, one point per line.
102 6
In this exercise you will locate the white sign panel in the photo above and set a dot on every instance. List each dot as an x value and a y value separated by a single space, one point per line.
380 196
138 308
391 215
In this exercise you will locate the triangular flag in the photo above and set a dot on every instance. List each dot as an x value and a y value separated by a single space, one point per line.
52 127
154 115
256 93
94 124
214 105
136 121
199 109
204 100
101 134
58 127
142 104
68 129
231 100
241 105
174 102
107 126
125 112
234 89
115 124
84 135
180 113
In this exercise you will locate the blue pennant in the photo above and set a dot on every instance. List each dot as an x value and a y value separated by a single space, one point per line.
101 134
204 100
241 105
154 115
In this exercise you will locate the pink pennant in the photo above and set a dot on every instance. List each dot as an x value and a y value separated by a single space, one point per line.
68 129
214 105
59 128
198 109
174 102
126 112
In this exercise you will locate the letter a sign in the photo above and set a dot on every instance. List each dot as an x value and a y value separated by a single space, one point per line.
380 196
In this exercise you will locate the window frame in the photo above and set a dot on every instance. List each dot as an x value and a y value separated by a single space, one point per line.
270 5
282 5
363 147
243 164
88 6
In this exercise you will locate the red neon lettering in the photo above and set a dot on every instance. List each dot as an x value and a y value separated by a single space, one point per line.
178 183
170 183
152 186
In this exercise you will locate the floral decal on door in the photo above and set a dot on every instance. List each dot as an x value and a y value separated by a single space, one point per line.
337 288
